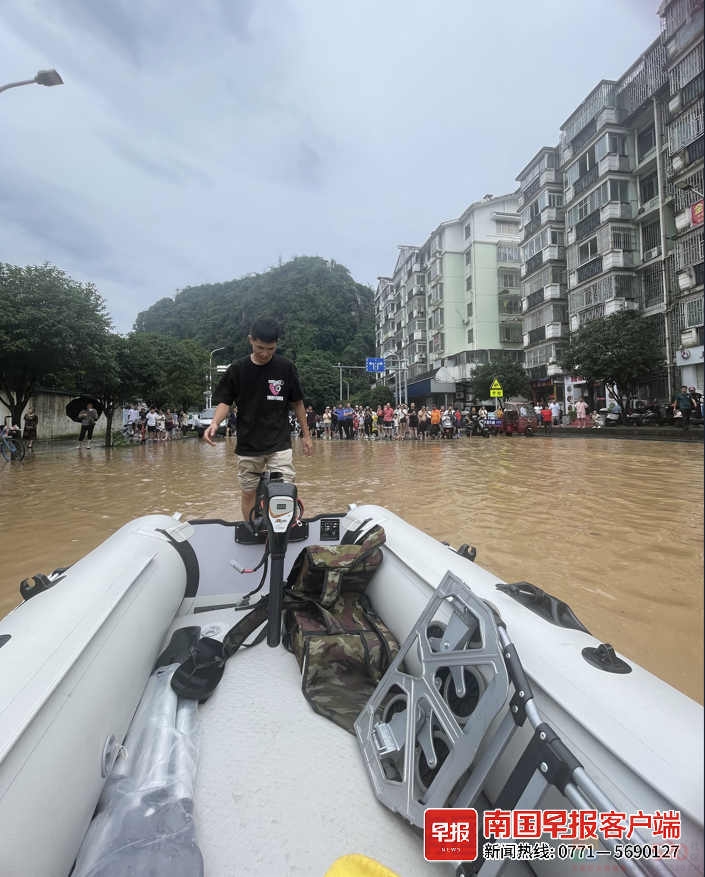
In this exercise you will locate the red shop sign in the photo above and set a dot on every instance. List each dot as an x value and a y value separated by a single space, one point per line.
696 213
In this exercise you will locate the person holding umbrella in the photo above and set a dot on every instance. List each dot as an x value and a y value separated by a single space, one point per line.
87 417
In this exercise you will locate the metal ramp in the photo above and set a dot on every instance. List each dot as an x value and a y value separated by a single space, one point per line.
433 731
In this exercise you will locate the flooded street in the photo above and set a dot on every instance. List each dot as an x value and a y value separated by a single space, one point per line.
613 527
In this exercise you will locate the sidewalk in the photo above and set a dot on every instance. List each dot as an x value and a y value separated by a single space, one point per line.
628 431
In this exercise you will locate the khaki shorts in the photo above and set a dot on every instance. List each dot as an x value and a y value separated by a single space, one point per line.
249 469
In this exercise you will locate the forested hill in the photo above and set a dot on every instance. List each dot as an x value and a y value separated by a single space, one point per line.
325 317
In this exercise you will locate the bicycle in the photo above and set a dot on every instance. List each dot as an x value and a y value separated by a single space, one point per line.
12 449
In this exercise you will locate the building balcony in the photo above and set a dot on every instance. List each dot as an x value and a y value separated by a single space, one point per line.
555 330
534 336
531 189
533 300
534 263
613 163
590 269
615 305
616 210
683 37
610 116
531 227
553 214
549 175
586 226
619 259
585 135
587 180
553 291
547 215
509 319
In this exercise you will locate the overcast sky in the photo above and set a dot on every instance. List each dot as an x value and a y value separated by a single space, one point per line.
199 141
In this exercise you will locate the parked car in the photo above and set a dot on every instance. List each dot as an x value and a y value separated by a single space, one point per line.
202 421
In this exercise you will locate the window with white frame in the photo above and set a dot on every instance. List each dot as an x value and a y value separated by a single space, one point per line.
686 69
611 144
623 238
508 280
502 227
587 251
694 312
508 253
686 128
650 235
471 334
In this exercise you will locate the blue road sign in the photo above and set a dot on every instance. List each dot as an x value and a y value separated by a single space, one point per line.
374 364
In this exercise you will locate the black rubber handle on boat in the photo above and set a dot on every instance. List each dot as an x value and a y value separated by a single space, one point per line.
522 686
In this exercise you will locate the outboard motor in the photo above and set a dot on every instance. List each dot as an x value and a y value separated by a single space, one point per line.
275 505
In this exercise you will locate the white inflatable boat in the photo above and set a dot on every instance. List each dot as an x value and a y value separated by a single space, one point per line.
103 768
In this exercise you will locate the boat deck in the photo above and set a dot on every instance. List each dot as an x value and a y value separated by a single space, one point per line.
282 790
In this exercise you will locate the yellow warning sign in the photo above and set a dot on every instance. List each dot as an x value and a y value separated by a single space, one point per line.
496 391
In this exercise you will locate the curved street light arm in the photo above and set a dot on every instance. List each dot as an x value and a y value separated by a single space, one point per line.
43 77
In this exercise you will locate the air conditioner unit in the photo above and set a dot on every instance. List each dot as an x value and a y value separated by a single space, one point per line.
674 104
678 162
686 278
683 220
652 254
689 337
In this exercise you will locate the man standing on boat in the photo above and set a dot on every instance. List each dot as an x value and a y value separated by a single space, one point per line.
264 385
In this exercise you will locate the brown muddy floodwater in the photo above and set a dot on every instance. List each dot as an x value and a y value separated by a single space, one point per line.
613 527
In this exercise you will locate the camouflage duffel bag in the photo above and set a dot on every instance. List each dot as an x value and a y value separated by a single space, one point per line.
343 652
324 572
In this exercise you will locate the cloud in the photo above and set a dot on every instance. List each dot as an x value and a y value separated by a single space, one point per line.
199 142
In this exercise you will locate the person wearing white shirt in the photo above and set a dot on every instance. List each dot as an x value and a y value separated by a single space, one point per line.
555 412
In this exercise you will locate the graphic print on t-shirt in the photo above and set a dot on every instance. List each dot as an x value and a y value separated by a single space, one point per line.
275 389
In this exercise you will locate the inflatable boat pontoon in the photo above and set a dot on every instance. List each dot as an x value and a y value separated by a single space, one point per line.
104 770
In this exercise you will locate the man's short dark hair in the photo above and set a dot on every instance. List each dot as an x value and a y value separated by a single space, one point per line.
264 329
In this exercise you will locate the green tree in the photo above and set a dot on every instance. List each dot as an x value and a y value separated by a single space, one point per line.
163 372
319 378
511 375
49 323
621 350
379 395
103 378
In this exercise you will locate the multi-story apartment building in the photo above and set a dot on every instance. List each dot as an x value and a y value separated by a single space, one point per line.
400 319
543 271
632 159
610 219
452 302
683 39
617 208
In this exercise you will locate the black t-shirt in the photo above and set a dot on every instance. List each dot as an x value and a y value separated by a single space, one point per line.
263 394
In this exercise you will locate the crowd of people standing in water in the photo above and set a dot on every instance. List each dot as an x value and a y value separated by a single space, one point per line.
394 423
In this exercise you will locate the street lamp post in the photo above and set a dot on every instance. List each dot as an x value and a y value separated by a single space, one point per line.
400 386
44 77
210 376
